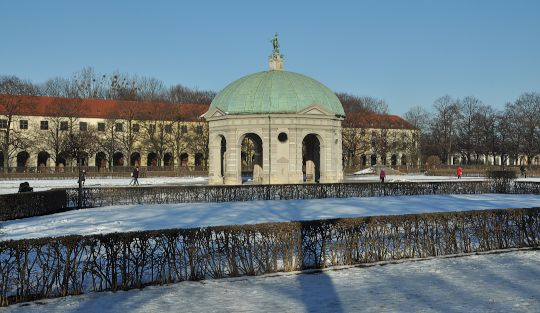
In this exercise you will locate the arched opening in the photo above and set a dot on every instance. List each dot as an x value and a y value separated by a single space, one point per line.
151 160
118 159
184 157
135 159
22 161
373 159
403 160
198 159
1 159
61 162
83 159
223 149
311 158
251 159
101 161
43 160
168 159
393 160
363 160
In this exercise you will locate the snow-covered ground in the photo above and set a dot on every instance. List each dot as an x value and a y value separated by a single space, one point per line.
506 282
186 215
12 186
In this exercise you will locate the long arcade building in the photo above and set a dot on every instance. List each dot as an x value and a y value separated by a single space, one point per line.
162 135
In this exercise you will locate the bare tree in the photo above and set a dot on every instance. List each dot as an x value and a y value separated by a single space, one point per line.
131 133
467 125
527 113
443 128
355 142
12 85
352 103
181 94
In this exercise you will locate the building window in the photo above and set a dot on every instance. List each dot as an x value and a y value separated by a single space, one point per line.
44 125
64 125
135 128
168 128
23 124
83 126
198 130
3 123
101 127
119 127
183 129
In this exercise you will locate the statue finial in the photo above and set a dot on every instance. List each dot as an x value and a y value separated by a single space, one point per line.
275 43
276 58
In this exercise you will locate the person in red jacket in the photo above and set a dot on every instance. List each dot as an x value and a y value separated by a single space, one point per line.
459 172
382 176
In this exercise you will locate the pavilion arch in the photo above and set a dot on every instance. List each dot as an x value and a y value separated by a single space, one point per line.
404 160
135 159
250 162
1 158
312 163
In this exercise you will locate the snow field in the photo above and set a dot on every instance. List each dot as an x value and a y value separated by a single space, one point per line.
505 282
188 215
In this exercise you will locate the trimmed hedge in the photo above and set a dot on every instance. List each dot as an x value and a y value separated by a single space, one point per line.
106 196
27 204
51 267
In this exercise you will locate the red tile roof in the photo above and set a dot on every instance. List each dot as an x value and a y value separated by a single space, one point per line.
362 120
106 109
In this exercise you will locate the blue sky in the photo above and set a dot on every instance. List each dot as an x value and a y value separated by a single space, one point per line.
406 52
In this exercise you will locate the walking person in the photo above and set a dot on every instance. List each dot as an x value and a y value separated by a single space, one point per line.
382 176
82 178
459 172
523 171
135 176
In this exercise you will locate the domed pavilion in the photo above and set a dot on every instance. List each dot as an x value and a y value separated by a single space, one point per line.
275 127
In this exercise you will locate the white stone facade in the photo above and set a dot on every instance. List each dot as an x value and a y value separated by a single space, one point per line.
283 161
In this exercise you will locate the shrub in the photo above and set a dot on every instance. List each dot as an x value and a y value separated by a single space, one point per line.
27 204
501 180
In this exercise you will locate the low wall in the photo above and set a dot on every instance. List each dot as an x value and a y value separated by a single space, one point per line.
51 267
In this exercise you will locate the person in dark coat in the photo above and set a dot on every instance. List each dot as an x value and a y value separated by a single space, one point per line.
135 176
82 177
382 176
523 171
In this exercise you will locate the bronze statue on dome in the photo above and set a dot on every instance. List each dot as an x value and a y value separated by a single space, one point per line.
275 43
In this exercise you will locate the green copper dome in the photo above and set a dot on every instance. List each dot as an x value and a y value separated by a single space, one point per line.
275 91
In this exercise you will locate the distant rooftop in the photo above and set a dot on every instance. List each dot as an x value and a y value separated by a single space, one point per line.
105 109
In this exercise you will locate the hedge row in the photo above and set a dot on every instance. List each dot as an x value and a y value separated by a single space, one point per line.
50 267
22 205
97 197
26 204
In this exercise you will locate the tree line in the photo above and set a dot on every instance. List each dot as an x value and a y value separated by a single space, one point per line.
88 84
472 129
